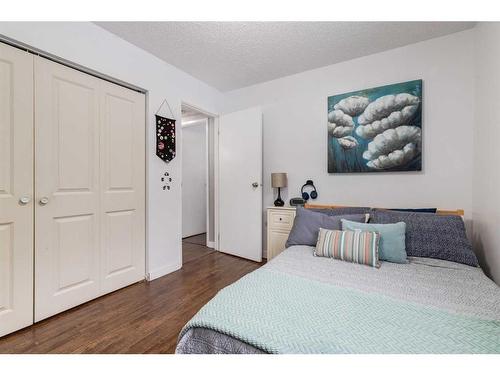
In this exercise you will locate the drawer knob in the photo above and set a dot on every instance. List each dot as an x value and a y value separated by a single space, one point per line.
281 218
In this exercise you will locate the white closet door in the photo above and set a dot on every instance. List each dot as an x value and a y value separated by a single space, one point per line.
16 189
67 214
122 186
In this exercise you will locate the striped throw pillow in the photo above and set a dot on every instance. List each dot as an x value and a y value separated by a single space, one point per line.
350 246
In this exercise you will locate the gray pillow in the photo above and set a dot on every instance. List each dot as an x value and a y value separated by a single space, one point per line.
341 210
431 236
306 226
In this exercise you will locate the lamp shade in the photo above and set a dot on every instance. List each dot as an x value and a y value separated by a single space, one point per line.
279 180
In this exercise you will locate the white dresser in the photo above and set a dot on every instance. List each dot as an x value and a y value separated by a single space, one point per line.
279 224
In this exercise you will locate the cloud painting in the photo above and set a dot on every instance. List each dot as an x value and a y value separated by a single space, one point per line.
376 130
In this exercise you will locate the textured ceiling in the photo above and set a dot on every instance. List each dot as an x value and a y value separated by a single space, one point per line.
230 55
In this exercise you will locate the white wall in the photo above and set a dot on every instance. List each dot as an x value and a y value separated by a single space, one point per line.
194 178
93 47
486 191
295 132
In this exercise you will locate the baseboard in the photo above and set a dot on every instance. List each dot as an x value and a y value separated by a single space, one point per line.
162 271
211 244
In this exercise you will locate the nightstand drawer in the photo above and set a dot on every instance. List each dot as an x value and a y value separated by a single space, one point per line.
281 219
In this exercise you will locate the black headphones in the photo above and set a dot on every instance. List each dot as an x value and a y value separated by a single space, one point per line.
313 194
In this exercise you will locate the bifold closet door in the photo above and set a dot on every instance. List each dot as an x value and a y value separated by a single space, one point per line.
89 186
123 164
16 189
66 188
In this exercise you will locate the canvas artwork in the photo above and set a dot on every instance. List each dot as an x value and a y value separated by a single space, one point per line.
376 130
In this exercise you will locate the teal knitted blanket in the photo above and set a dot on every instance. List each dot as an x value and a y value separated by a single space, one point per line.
281 313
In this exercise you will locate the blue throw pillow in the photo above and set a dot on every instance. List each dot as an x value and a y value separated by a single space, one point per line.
392 239
306 226
432 236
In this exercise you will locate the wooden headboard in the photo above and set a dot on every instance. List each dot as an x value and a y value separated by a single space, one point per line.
457 212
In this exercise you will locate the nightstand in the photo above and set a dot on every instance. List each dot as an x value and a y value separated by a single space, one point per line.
279 224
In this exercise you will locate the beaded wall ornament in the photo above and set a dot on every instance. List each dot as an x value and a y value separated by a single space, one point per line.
165 135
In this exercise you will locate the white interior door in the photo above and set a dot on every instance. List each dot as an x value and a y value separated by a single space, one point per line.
123 179
16 189
67 188
240 183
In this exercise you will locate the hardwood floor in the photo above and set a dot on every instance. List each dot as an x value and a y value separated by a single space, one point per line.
199 239
142 318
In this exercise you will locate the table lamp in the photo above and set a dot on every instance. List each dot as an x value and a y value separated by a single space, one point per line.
279 180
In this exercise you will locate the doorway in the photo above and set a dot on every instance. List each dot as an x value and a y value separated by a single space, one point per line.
198 218
232 165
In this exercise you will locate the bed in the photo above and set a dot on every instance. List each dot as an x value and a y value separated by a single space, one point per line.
299 303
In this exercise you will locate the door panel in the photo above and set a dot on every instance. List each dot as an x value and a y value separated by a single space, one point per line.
76 148
67 176
123 188
16 182
240 166
73 239
119 241
6 266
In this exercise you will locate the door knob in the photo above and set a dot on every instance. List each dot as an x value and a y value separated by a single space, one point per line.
255 185
24 200
43 201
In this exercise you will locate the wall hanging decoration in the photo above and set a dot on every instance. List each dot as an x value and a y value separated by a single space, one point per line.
376 130
166 181
165 135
